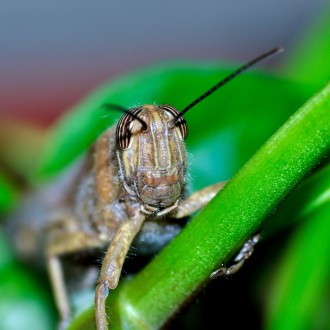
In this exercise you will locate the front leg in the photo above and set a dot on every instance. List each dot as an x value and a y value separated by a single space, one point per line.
197 200
112 265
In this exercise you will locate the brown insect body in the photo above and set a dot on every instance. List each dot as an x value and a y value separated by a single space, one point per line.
93 198
131 186
148 175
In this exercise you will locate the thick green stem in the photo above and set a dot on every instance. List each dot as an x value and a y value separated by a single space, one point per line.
312 194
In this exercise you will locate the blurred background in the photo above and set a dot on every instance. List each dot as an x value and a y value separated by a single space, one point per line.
55 52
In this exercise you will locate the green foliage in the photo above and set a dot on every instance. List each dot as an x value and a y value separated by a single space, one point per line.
23 299
309 61
297 299
8 194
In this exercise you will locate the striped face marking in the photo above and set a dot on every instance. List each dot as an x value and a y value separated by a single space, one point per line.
153 160
126 123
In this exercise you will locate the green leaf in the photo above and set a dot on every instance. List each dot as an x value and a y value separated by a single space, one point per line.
23 304
6 255
309 60
8 194
299 287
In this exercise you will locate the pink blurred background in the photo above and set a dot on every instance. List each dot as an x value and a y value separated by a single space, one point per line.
55 52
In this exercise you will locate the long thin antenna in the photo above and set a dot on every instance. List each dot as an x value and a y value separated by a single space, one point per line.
122 109
228 78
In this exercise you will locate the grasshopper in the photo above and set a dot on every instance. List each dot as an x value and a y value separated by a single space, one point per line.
130 183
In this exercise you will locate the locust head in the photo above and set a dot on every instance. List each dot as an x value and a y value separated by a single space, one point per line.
152 156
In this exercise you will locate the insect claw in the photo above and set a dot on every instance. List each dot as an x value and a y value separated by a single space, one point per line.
219 272
245 253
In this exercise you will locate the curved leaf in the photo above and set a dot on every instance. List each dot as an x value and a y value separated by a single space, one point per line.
241 123
298 291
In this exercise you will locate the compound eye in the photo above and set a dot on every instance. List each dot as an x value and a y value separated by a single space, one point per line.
124 128
182 125
180 122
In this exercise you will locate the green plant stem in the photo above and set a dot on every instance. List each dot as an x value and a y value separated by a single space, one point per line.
217 232
312 194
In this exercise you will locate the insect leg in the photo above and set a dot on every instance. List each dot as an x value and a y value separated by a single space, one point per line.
239 260
65 243
112 265
197 200
61 298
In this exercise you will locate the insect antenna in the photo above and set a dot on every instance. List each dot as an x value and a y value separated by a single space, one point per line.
227 79
109 106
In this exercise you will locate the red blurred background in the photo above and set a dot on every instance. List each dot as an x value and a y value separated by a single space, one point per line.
55 52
